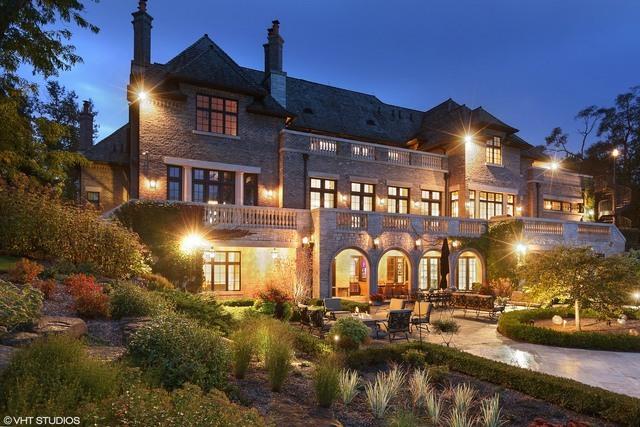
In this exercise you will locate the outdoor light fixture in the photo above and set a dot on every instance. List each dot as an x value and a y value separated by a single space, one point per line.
554 165
636 296
269 194
418 243
305 241
416 204
615 152
519 209
191 242
142 95
343 197
153 184
521 248
381 202
376 242
455 243
468 139
274 254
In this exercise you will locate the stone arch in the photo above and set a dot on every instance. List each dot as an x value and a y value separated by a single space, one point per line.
347 279
395 271
468 266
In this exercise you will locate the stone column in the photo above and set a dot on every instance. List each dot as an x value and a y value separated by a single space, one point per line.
239 189
186 184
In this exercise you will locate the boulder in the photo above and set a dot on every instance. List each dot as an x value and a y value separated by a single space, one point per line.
56 325
131 324
19 339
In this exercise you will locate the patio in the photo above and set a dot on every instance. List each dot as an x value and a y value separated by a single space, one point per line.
615 371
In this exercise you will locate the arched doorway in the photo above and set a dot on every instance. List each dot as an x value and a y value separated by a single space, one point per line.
394 274
350 274
469 270
429 270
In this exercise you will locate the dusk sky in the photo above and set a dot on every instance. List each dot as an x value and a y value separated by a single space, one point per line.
533 64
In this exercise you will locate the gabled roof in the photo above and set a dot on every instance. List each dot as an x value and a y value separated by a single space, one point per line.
112 149
341 112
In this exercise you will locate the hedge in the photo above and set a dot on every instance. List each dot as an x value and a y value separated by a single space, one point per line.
515 326
564 392
347 305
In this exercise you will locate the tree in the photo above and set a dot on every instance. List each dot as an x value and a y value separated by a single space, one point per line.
580 276
559 140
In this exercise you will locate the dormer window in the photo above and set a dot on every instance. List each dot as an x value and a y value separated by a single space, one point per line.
216 115
494 151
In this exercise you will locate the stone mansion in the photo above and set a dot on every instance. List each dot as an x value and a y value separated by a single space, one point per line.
367 189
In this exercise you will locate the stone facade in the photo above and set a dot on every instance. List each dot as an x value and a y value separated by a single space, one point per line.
110 181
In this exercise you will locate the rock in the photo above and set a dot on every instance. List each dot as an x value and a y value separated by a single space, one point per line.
20 339
56 325
106 353
5 355
131 324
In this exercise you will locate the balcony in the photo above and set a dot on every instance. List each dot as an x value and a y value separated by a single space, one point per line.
362 151
256 217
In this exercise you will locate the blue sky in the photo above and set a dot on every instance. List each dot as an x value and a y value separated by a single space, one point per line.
534 64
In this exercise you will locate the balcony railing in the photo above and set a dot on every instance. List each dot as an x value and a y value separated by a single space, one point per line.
231 216
364 151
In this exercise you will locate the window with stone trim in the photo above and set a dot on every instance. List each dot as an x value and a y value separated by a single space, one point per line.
471 204
362 196
174 182
490 204
213 186
322 193
430 202
225 271
398 200
93 197
454 204
216 115
561 206
494 151
250 188
511 204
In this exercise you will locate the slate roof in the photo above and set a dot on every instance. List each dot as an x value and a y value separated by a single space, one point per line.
112 149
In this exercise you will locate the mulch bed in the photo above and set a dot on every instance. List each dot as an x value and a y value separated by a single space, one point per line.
295 405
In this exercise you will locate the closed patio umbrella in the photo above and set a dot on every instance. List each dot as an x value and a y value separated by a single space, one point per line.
444 263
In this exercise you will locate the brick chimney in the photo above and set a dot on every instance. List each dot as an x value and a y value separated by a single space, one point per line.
141 39
275 78
85 135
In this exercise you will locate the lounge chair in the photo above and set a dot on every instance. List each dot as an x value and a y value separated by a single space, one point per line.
333 306
318 322
398 322
396 304
421 314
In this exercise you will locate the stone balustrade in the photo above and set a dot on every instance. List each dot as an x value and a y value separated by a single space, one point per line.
231 216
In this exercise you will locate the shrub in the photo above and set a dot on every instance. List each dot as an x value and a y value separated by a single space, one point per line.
19 307
379 394
433 406
186 406
46 286
25 271
349 381
345 304
419 385
176 350
39 225
326 381
438 373
414 358
54 377
156 282
351 332
515 325
490 412
240 302
308 344
92 303
203 309
567 393
277 359
274 301
129 300
80 283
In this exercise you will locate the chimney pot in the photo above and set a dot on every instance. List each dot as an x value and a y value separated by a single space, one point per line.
85 134
141 39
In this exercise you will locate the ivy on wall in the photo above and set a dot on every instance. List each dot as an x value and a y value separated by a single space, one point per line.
497 247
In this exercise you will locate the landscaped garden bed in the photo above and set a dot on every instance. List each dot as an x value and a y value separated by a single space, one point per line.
535 326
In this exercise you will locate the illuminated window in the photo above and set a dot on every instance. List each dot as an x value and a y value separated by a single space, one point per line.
250 188
174 183
494 151
490 204
225 271
213 186
455 211
511 204
322 193
216 115
431 202
398 200
471 204
467 272
362 196
429 272
560 206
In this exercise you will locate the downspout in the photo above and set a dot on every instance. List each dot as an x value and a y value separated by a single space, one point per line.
305 173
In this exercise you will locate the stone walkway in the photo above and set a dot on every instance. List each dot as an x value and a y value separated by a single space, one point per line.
615 371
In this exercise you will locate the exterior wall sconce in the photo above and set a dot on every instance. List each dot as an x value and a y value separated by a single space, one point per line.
269 194
343 198
519 210
416 204
468 139
153 184
418 243
305 241
274 254
521 248
455 244
381 202
376 242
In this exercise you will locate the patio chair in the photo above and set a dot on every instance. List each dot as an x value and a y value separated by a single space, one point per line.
333 306
421 315
398 322
303 311
318 322
396 304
